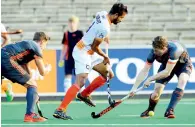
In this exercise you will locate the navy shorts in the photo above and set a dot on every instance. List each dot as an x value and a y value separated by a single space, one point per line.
11 70
178 69
69 68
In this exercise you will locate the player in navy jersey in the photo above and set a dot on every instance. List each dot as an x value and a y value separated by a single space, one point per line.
70 39
174 60
14 66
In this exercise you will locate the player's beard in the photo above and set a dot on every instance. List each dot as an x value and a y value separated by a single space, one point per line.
115 21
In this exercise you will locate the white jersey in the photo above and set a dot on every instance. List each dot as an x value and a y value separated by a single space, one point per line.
100 28
2 30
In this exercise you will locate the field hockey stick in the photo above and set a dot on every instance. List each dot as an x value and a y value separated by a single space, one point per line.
110 100
95 116
39 109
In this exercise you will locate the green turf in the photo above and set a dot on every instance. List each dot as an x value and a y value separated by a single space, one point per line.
127 114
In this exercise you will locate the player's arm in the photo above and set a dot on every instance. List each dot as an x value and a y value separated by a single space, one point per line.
64 50
40 65
143 74
26 67
166 72
102 33
13 32
95 47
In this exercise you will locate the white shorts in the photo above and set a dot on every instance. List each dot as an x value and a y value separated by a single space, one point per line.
84 62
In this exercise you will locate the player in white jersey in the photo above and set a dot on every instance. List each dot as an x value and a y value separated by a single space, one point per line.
4 35
87 56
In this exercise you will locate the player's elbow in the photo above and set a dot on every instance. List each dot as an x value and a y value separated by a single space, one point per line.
94 48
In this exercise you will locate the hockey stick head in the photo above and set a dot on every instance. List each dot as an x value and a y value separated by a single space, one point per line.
93 115
111 102
39 110
40 113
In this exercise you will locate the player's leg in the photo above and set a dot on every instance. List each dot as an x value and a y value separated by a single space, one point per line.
98 81
155 96
67 82
60 112
14 72
82 68
31 98
153 99
183 74
68 75
101 68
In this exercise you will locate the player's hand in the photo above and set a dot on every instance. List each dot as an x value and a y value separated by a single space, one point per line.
48 68
147 83
19 31
61 63
106 60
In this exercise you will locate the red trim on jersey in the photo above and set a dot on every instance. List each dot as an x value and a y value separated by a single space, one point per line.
15 64
20 55
66 44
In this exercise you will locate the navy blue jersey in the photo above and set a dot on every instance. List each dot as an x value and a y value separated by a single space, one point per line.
175 51
23 52
71 39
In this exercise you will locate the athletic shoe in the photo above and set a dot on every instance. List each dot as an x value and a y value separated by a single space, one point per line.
145 114
169 114
87 100
9 93
59 114
33 117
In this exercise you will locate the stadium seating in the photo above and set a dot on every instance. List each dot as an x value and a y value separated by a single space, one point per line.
146 19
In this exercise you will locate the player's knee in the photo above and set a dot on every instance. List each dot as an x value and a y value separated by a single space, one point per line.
80 80
182 84
32 83
111 75
155 96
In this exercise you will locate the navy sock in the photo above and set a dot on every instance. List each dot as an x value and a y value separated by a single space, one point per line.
176 97
31 97
152 104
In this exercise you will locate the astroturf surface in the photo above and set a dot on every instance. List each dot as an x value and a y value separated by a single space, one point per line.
126 114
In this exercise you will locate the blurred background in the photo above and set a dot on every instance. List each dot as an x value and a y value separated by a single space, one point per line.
130 41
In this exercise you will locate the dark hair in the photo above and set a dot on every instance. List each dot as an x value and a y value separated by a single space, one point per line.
118 8
160 42
38 36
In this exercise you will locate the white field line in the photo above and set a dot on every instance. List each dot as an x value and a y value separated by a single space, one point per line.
184 102
100 93
98 125
129 115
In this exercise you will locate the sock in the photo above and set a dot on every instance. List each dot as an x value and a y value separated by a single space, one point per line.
96 83
4 87
67 84
152 104
32 98
69 96
176 97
